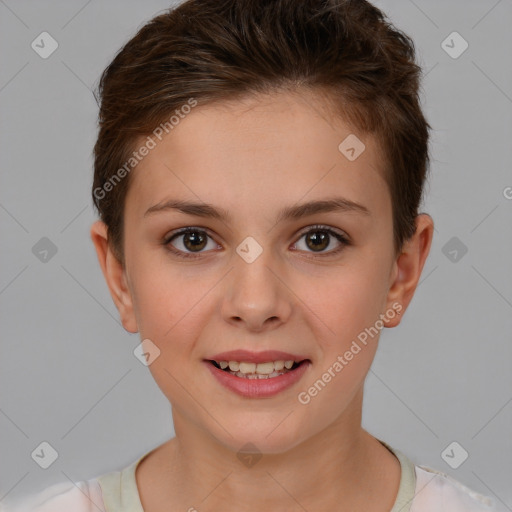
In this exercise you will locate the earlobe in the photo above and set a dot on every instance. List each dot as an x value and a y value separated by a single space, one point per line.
115 276
408 267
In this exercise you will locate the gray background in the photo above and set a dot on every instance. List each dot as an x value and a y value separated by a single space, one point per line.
68 373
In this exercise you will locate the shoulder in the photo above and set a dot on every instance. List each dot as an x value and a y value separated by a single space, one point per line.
436 490
83 496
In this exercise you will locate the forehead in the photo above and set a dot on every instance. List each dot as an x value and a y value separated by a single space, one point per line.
260 151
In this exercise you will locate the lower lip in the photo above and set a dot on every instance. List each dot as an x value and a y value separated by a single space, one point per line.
258 388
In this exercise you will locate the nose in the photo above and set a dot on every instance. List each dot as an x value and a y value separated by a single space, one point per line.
256 296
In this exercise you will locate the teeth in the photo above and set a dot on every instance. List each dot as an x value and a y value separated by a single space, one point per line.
247 367
261 369
257 375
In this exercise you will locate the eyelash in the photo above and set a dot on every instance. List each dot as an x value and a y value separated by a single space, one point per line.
167 241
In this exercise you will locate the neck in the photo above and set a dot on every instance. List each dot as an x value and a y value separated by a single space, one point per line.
340 465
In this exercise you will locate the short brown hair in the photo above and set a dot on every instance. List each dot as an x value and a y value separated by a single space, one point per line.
214 50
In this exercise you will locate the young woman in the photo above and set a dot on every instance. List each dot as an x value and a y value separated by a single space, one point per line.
258 173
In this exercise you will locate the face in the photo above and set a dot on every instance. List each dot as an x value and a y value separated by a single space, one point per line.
250 277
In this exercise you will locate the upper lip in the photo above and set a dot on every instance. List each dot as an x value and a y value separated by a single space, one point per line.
256 357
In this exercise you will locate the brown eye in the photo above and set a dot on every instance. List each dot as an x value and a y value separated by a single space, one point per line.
194 241
319 238
189 241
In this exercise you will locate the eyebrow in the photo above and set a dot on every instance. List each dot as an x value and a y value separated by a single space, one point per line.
294 212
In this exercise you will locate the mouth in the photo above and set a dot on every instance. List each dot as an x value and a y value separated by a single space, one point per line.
266 370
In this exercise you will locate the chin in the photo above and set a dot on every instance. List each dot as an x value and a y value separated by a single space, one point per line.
265 437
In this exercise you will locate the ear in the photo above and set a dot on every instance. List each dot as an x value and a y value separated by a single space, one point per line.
407 268
115 276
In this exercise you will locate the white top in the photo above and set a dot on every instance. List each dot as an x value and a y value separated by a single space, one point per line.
422 489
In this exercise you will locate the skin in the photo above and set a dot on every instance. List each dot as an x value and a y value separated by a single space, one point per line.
252 158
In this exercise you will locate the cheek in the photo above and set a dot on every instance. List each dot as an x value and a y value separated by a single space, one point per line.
165 302
344 302
333 388
172 316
